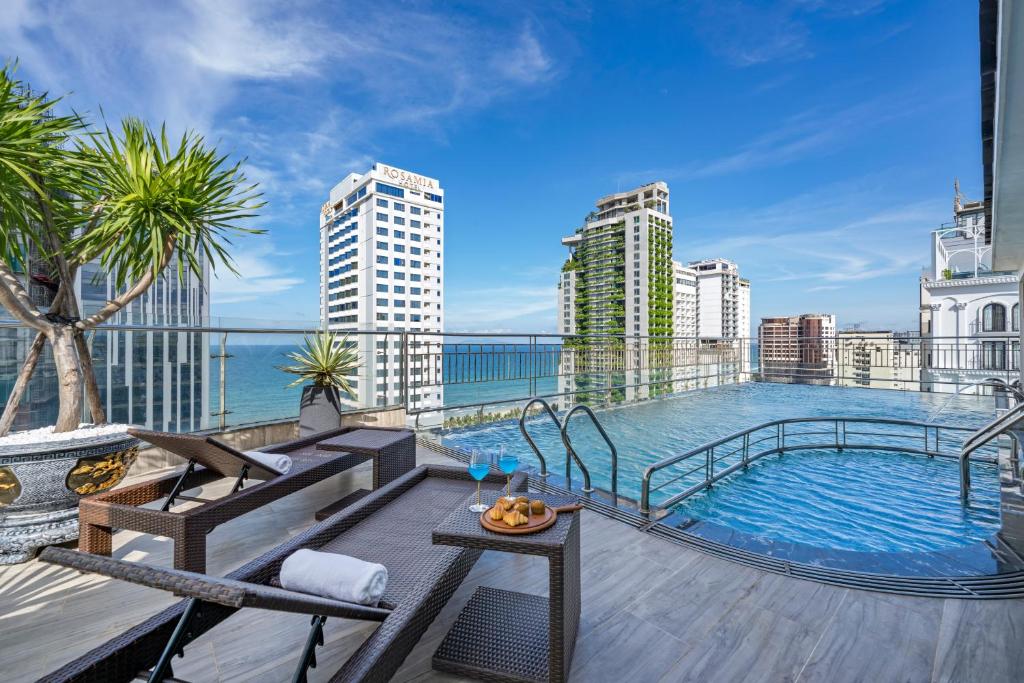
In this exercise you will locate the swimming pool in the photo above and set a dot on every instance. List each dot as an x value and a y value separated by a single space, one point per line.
867 500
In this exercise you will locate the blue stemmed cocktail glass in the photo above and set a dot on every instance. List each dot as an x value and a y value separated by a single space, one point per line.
479 466
507 463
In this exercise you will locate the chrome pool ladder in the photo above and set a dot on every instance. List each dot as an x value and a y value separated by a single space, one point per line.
1008 423
570 452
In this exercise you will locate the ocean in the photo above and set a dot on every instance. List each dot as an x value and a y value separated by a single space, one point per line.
257 391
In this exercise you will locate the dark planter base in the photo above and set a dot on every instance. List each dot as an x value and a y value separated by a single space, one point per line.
319 410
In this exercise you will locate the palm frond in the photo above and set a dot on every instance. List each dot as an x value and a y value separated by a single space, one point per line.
153 195
325 360
38 169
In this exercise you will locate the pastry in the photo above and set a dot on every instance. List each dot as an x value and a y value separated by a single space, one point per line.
537 507
523 508
522 499
514 518
496 513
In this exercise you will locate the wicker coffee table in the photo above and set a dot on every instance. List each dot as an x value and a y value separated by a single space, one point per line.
393 452
504 635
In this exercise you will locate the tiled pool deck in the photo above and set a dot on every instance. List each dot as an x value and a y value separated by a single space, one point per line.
652 611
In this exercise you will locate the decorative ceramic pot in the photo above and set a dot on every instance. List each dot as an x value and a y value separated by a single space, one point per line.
41 483
319 410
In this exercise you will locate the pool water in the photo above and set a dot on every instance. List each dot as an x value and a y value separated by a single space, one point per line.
861 500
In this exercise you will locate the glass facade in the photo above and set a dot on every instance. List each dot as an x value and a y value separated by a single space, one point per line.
156 379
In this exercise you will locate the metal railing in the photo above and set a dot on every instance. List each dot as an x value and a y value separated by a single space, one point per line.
723 457
529 439
184 378
1006 423
587 488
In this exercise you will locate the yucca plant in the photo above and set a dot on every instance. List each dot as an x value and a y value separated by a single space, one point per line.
326 361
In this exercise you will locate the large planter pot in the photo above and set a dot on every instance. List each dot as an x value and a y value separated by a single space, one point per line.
319 410
41 484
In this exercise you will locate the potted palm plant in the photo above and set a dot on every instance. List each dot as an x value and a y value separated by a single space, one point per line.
326 362
137 204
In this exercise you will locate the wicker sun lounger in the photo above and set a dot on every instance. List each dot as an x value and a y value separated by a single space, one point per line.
208 460
391 526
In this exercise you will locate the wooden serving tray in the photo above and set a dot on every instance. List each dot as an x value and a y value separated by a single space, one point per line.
536 523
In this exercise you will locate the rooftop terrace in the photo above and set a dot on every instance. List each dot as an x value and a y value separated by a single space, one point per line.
651 610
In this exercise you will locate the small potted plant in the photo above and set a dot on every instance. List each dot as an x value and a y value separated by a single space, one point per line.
326 362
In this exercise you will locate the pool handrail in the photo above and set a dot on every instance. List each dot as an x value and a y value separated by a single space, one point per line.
529 439
587 488
839 442
1003 424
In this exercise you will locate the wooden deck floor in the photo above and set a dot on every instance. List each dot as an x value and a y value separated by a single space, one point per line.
652 611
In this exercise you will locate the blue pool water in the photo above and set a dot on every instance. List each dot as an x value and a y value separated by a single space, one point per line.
861 500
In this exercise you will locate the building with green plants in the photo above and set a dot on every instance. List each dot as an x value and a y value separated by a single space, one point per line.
616 294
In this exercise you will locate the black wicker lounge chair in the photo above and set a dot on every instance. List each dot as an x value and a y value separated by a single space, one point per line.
391 526
209 459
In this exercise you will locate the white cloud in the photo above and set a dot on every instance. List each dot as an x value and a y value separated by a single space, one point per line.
260 274
487 310
747 33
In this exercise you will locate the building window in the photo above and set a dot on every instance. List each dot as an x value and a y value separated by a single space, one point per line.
432 197
399 276
993 318
391 190
415 210
399 206
382 259
1015 317
398 220
399 234
399 289
400 248
413 223
414 236
382 203
993 355
382 288
382 273
399 261
382 231
382 217
382 245
382 302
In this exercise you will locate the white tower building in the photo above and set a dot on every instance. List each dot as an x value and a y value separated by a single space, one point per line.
684 301
970 314
382 268
723 306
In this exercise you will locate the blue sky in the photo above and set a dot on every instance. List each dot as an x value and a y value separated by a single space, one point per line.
814 142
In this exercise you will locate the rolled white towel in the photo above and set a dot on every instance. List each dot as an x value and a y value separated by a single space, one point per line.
275 462
334 576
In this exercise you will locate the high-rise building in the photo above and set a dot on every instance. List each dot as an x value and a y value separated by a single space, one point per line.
684 301
382 268
799 349
723 302
621 260
877 359
618 282
156 379
970 314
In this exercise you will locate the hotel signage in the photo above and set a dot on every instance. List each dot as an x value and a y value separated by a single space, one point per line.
407 179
